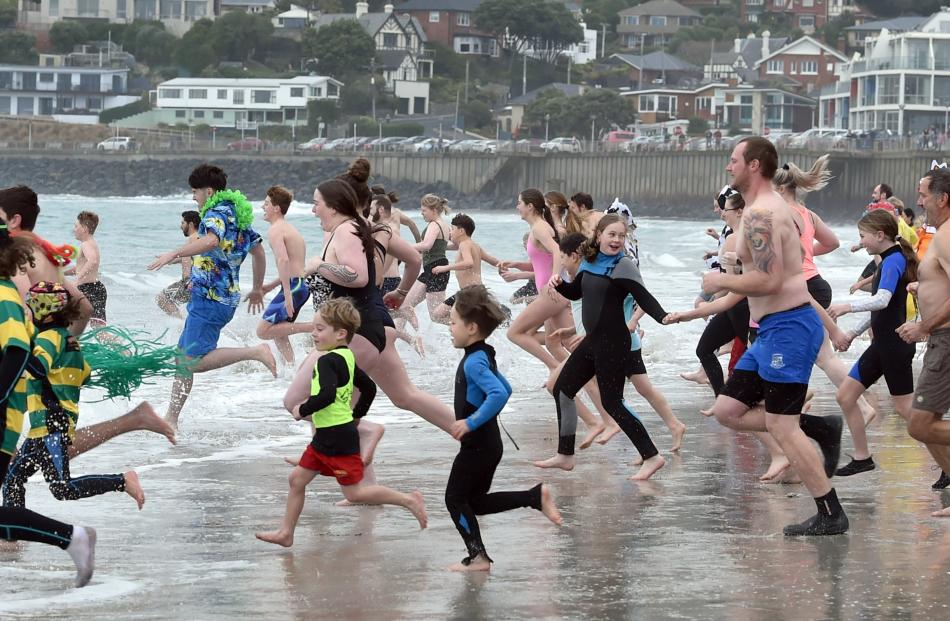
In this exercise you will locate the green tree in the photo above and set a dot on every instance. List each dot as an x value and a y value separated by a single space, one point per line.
476 113
447 63
236 34
17 48
67 34
894 8
547 27
325 110
341 48
697 126
194 52
8 9
573 115
834 29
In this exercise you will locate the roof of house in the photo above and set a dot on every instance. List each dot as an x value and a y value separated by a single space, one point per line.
371 22
440 5
785 49
751 51
656 61
899 24
660 7
248 82
571 90
392 59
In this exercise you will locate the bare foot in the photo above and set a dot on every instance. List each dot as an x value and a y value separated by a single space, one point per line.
133 488
678 432
293 461
609 432
941 513
564 462
636 461
778 466
649 468
171 421
697 376
708 413
267 357
148 419
418 508
279 537
343 503
368 448
548 508
479 563
808 397
592 432
419 346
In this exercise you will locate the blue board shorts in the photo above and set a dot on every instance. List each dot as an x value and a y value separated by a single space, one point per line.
777 366
276 311
203 326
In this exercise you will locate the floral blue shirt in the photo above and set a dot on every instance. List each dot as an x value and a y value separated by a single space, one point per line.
215 275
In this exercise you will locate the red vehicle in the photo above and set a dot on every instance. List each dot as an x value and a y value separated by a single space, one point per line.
248 144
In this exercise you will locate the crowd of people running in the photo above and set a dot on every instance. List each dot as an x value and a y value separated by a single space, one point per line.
767 304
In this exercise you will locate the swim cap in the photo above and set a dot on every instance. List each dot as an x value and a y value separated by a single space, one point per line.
724 195
45 299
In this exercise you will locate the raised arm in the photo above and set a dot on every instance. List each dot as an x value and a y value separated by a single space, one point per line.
409 222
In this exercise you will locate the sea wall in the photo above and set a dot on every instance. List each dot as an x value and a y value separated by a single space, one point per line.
667 184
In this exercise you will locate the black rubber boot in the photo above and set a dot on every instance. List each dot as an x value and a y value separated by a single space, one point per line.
855 466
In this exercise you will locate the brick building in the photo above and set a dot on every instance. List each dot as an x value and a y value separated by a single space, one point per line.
805 64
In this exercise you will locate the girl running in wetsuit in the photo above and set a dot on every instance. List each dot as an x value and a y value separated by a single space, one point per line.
888 355
481 392
604 280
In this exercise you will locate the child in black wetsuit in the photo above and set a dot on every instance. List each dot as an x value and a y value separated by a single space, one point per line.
480 394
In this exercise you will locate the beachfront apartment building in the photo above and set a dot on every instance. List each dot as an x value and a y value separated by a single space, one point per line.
901 83
653 23
804 14
240 103
177 15
29 90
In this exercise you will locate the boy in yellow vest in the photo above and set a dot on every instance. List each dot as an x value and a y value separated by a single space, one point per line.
335 448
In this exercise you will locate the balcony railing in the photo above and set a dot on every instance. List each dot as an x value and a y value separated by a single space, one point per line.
903 63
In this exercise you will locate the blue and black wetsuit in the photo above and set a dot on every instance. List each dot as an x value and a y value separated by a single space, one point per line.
480 394
888 355
603 285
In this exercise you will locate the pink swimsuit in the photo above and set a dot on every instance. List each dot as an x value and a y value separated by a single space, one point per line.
542 264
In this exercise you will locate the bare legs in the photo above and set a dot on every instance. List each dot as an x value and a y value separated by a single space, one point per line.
934 432
215 359
849 392
140 418
280 333
661 406
538 312
837 372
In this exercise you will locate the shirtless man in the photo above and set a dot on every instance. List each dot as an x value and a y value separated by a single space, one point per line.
468 263
932 398
86 269
397 218
290 252
180 292
777 367
19 208
582 206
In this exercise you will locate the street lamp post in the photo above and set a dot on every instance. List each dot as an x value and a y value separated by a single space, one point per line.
900 123
593 120
547 121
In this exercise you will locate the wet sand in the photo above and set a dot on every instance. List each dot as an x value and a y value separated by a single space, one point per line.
701 541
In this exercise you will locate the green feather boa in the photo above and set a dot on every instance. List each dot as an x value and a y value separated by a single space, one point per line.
242 206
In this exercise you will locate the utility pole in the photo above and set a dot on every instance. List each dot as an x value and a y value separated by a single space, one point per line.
456 112
466 81
372 82
524 74
569 63
640 72
603 41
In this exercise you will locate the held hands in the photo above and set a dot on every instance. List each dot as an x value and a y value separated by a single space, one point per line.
161 261
912 287
508 276
458 429
837 310
503 266
711 282
912 332
856 287
268 287
289 307
255 301
394 299
842 340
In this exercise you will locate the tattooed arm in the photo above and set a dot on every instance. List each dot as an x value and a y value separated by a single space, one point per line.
349 267
764 274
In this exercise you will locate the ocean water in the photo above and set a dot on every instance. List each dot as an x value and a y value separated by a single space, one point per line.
235 416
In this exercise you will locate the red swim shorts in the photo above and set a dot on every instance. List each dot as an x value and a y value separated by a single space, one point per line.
348 469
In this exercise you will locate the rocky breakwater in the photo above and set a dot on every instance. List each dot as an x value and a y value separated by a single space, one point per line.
141 175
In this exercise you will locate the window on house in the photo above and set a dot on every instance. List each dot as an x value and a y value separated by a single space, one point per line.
197 93
752 18
433 17
465 48
46 77
316 91
332 90
263 97
296 91
778 3
222 93
704 103
199 114
169 9
121 8
808 3
831 67
95 103
218 114
87 8
4 105
647 103
390 39
237 96
793 67
631 20
917 89
776 66
463 19
658 20
53 12
809 67
179 114
889 92
806 21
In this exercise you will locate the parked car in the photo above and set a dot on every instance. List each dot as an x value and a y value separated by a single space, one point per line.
118 143
429 145
248 144
616 139
463 146
562 145
485 146
314 144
